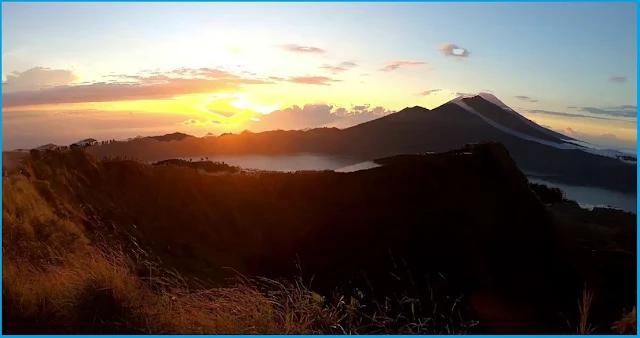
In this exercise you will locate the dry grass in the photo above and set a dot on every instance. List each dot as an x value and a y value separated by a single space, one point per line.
56 281
627 324
584 306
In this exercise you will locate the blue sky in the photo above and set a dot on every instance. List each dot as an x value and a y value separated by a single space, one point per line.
542 58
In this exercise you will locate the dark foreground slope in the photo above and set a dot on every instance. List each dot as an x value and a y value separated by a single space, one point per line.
458 229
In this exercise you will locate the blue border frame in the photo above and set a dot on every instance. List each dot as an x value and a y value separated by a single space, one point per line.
638 92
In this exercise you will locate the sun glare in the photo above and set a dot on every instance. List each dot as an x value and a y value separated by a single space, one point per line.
240 103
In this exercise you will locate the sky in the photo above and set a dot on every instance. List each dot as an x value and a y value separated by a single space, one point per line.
117 70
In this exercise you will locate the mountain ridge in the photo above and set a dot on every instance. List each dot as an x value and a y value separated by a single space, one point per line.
412 130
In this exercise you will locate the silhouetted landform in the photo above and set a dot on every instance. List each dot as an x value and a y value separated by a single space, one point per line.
413 130
449 243
207 166
546 194
171 137
629 158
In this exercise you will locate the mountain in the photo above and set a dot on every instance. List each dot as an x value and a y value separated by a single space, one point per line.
473 119
353 120
137 248
171 137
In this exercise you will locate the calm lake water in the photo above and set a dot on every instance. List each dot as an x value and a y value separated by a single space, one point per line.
587 197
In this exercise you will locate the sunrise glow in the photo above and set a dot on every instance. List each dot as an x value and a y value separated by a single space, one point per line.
228 73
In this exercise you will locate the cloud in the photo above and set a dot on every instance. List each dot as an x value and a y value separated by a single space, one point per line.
37 78
604 139
134 87
199 123
357 115
276 78
464 94
525 98
393 65
296 117
295 48
452 50
429 92
618 79
313 80
563 114
316 115
348 64
334 69
487 90
340 67
193 122
616 111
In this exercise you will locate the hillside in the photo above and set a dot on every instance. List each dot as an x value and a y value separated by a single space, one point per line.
460 230
465 120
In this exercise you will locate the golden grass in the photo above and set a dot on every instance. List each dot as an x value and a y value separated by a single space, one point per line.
584 306
627 324
55 282
96 293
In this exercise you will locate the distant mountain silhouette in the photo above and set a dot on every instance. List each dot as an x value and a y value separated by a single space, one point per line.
171 137
467 119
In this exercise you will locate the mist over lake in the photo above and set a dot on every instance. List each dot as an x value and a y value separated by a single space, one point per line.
587 197
283 163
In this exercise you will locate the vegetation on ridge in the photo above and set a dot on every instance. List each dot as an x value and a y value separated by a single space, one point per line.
80 237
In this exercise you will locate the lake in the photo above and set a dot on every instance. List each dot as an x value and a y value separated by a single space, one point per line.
587 197
284 162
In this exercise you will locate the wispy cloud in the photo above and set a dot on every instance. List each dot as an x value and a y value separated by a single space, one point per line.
616 111
453 50
313 80
339 68
525 98
618 79
198 123
429 92
134 87
563 114
393 65
348 64
295 48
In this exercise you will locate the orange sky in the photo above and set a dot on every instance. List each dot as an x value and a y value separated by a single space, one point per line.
177 69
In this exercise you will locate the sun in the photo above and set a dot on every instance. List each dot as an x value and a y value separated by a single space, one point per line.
240 103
